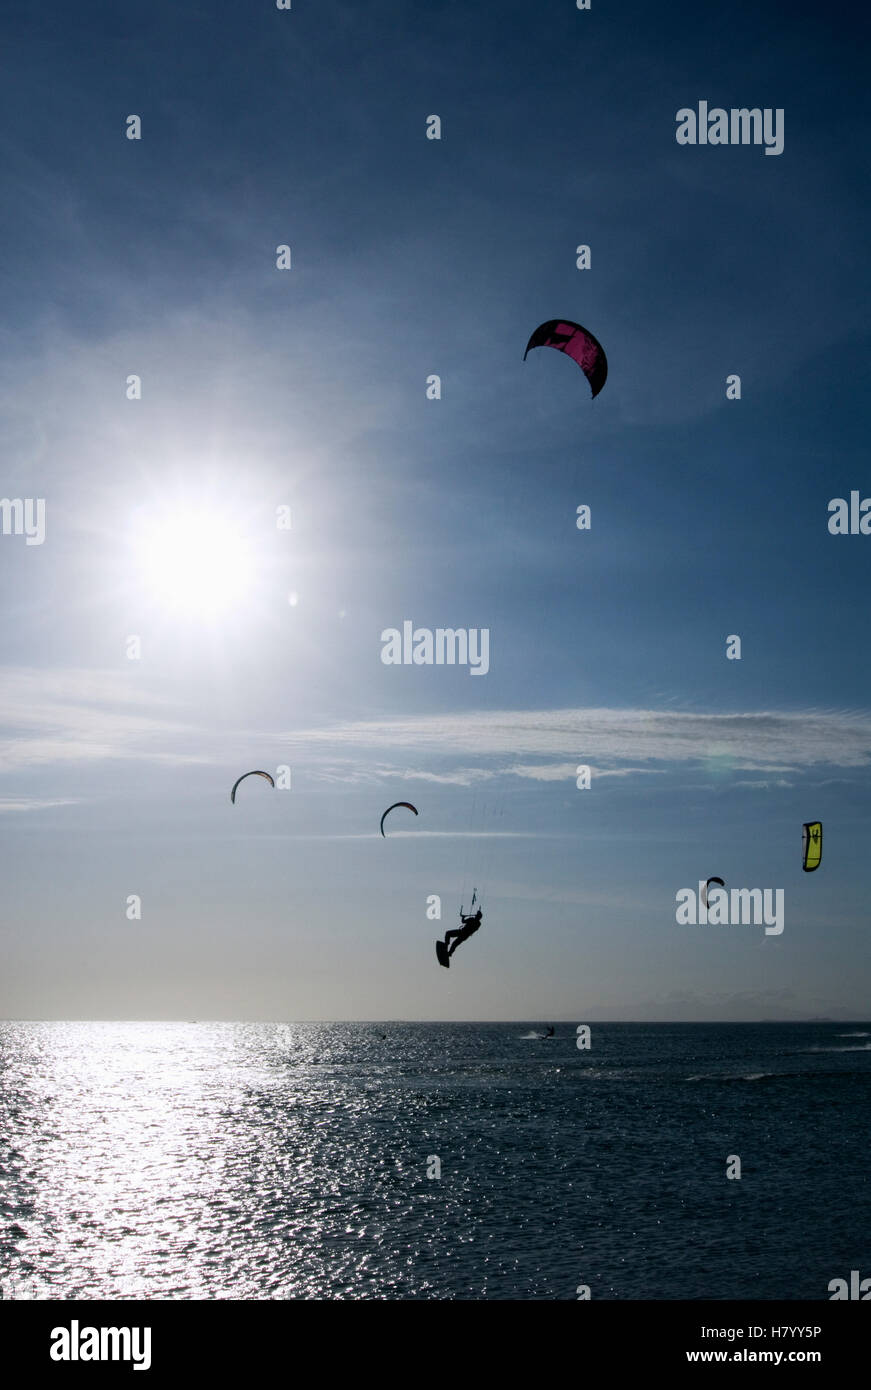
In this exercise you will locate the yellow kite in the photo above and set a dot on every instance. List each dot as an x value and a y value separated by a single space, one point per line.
811 845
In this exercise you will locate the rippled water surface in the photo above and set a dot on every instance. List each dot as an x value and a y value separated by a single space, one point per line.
218 1160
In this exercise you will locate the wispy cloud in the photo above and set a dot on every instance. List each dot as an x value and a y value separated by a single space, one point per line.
74 716
437 835
763 784
23 803
351 772
556 772
766 741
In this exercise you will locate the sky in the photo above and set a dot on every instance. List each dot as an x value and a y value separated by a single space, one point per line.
306 388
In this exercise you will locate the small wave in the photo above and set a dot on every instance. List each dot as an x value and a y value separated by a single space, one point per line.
732 1076
864 1047
853 1035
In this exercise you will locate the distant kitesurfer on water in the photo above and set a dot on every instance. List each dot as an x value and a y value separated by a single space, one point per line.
462 933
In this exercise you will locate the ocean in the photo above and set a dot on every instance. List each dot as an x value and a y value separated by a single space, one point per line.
432 1161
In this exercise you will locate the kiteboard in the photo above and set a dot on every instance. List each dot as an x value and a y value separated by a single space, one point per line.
442 953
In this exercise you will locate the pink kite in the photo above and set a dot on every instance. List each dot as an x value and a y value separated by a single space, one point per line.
576 342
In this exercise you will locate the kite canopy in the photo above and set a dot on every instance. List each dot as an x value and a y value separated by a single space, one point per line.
707 886
249 774
811 845
406 804
576 342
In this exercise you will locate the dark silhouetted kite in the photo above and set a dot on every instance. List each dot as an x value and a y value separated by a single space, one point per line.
576 342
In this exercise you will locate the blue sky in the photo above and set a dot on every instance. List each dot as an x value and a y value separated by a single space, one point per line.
307 388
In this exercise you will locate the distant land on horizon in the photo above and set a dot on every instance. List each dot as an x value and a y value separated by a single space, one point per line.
469 1022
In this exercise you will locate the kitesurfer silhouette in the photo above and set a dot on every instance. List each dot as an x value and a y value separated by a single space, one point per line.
462 933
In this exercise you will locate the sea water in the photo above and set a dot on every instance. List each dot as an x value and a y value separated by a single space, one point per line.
449 1161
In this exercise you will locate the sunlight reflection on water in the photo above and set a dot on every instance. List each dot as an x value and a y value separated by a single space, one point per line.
219 1160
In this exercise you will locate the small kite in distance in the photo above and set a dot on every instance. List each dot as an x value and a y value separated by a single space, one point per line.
576 342
406 804
255 773
707 886
811 845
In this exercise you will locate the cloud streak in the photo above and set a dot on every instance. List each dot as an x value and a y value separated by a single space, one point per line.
766 741
64 717
54 717
21 803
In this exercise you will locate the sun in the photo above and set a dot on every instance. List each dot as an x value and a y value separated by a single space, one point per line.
193 562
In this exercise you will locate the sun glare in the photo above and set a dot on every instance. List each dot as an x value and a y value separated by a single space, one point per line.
194 563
